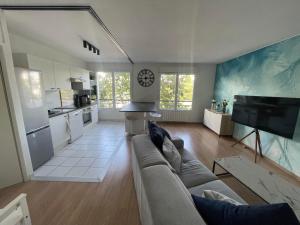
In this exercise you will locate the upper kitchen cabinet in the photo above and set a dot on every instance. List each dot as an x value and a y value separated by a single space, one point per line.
82 74
36 63
62 75
56 75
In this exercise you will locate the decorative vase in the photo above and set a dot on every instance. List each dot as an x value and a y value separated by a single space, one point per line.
224 105
213 105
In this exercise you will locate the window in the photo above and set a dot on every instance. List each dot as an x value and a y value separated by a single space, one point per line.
114 89
176 91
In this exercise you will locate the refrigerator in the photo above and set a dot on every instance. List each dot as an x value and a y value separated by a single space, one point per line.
35 114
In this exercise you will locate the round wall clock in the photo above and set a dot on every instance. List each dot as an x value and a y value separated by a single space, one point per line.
145 78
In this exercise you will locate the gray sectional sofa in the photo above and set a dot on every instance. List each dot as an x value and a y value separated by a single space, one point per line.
164 197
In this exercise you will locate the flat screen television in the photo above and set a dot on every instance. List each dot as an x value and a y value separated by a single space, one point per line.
272 114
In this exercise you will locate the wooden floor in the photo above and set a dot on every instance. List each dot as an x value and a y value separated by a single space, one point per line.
113 201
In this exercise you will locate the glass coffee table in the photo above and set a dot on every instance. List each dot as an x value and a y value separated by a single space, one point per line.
267 185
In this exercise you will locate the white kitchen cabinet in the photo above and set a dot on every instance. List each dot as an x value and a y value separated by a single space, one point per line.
37 63
76 124
82 74
62 75
220 123
59 131
47 69
94 110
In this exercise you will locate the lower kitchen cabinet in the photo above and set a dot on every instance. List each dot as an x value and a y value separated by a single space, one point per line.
59 131
94 110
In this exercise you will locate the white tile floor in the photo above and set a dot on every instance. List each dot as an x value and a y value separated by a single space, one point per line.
88 158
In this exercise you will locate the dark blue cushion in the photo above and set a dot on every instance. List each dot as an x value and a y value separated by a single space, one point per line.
165 132
157 135
216 212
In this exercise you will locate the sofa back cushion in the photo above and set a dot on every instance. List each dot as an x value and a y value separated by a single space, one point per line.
171 154
146 152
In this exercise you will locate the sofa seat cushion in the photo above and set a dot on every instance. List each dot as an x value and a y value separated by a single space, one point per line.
194 173
218 186
167 198
146 152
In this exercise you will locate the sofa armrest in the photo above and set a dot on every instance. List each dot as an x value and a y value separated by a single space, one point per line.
178 142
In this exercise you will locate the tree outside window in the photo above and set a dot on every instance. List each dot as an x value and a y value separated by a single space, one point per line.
176 91
114 89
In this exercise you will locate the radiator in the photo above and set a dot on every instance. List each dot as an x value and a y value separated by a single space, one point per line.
180 116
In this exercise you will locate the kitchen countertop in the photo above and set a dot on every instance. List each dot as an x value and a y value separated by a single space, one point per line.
139 107
66 109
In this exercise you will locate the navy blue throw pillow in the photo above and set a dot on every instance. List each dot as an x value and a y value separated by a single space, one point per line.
164 132
151 124
216 212
157 135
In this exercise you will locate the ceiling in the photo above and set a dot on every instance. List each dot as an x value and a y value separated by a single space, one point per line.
177 31
65 30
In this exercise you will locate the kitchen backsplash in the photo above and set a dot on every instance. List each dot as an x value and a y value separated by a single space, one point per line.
52 99
66 97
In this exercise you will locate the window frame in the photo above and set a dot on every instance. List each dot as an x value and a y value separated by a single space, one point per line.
114 100
177 74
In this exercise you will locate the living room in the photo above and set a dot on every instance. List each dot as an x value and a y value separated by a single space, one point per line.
198 70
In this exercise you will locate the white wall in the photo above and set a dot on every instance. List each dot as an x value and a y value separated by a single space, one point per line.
203 88
20 44
10 170
14 103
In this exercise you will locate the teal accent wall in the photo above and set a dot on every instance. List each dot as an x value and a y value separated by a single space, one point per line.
271 71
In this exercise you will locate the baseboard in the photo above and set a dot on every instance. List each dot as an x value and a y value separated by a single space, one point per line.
177 122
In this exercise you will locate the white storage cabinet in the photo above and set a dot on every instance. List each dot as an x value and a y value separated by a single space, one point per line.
218 122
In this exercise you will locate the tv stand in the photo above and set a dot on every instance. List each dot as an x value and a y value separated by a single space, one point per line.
257 142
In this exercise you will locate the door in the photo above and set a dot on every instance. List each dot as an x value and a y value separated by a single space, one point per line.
40 146
10 171
32 98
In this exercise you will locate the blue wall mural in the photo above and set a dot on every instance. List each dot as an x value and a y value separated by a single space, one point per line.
271 71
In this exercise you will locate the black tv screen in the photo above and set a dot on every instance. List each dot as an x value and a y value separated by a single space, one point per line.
272 114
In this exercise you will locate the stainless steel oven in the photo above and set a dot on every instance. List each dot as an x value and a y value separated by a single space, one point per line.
87 115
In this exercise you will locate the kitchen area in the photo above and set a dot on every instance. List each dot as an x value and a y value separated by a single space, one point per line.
60 111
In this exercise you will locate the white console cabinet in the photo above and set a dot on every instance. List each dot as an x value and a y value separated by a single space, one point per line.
218 122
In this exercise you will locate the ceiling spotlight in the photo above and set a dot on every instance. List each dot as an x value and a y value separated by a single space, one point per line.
85 44
91 47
